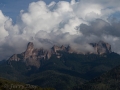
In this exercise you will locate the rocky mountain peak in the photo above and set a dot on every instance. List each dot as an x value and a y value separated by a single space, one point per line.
33 56
101 47
30 45
62 47
57 48
29 50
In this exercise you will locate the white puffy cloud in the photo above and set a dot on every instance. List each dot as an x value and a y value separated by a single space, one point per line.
3 32
68 23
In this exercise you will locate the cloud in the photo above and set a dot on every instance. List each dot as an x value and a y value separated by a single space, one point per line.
3 32
74 23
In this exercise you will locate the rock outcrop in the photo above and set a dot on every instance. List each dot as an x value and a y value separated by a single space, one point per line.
14 58
32 56
55 49
29 51
101 47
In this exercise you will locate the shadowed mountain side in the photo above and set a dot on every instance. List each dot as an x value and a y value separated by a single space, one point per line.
71 67
107 81
12 85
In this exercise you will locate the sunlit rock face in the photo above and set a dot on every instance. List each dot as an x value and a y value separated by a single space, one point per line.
101 47
32 56
29 50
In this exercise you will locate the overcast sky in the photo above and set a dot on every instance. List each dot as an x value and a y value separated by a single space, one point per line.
74 23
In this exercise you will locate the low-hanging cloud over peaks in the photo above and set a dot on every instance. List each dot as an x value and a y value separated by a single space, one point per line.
74 23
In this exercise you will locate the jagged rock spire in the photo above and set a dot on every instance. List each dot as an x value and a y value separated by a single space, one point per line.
101 47
30 45
29 50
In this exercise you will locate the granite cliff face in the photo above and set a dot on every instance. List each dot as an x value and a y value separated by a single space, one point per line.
32 56
101 47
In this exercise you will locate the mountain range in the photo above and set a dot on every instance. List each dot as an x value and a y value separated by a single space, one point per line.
60 67
32 56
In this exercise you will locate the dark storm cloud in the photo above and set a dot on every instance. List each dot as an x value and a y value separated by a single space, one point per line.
100 27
